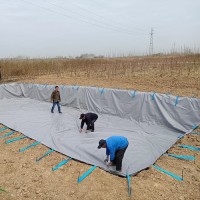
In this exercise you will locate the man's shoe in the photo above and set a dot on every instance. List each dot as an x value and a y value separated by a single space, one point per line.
52 112
60 112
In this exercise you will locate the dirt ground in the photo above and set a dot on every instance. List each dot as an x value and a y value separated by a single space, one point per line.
24 179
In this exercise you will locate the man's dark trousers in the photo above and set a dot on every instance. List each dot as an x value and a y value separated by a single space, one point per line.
119 155
91 125
54 104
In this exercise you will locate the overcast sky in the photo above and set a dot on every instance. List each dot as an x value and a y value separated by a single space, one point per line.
50 28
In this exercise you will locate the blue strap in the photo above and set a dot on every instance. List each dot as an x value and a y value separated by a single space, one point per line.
29 146
102 90
181 136
129 185
61 164
133 94
182 157
75 87
153 96
168 173
3 129
7 134
15 139
195 127
81 178
46 154
176 102
195 133
189 147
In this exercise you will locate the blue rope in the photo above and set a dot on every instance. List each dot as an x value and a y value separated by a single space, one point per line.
29 146
46 154
102 90
81 178
168 173
195 133
7 134
181 136
129 185
189 147
153 96
15 139
182 157
133 94
61 164
195 127
176 102
3 129
77 87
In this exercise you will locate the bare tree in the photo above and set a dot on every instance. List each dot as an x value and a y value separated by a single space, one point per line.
0 74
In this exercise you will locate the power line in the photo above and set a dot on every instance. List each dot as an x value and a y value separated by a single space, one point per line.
77 19
97 2
102 17
107 25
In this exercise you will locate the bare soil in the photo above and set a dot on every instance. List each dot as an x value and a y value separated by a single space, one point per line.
25 179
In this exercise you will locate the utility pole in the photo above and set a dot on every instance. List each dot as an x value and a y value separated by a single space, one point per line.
151 50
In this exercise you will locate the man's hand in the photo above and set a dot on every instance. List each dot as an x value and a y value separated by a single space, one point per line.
110 164
81 130
106 160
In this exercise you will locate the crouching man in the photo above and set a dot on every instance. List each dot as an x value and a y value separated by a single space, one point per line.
115 148
89 119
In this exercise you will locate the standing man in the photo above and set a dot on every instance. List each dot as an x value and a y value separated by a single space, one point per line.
89 119
55 98
115 148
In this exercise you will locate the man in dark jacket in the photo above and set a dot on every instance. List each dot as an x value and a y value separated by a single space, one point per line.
115 148
89 119
55 98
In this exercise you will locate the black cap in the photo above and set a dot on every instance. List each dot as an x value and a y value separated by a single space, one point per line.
81 116
101 143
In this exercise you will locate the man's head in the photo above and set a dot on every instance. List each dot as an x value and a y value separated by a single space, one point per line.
56 88
82 116
102 144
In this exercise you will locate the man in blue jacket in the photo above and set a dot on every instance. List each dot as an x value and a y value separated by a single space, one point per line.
115 148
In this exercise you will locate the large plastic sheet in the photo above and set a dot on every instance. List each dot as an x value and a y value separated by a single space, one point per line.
152 122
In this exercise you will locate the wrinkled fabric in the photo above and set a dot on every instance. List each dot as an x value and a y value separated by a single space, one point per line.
152 123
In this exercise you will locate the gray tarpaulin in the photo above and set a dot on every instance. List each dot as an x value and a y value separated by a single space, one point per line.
151 122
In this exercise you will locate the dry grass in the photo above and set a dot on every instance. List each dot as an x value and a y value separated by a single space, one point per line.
177 74
161 66
26 180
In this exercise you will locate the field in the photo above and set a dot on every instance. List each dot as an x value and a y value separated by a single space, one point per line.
23 178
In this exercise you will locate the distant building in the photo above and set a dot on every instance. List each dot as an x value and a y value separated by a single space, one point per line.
89 56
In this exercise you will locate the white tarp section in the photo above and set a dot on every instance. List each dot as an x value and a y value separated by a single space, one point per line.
151 122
